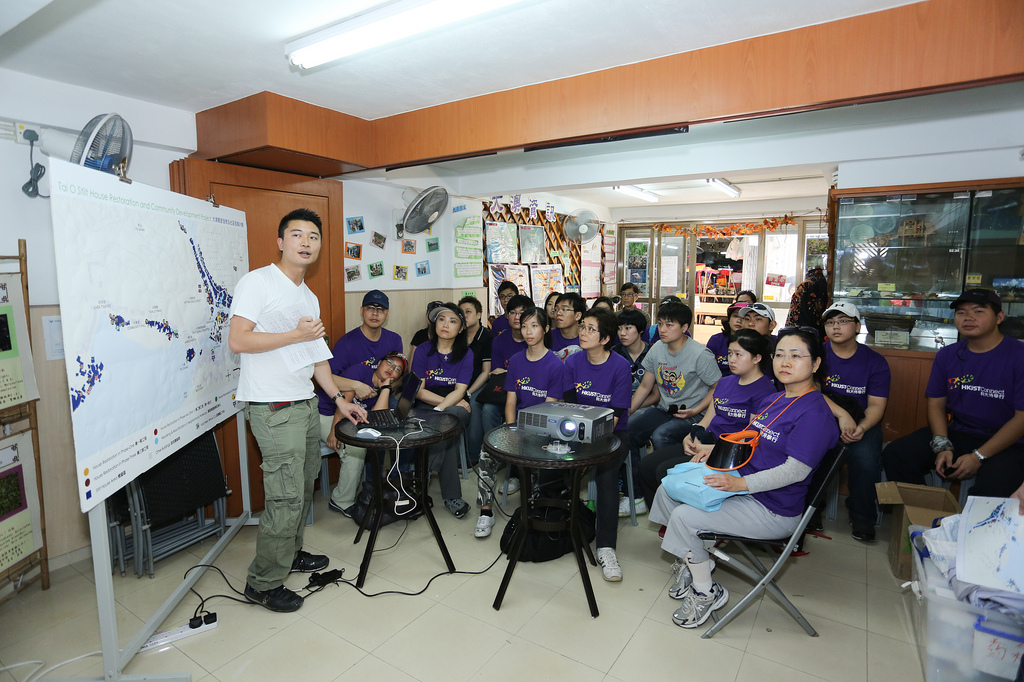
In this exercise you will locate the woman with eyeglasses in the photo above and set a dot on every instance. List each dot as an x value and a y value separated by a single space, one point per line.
797 429
597 376
445 368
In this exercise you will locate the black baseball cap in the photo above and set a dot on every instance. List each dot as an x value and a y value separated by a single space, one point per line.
981 296
376 297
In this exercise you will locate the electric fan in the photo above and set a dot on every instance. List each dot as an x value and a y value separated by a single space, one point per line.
422 211
582 226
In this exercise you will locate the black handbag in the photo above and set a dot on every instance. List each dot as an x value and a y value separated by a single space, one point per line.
547 545
493 392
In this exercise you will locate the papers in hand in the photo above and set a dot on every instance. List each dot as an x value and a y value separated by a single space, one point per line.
295 355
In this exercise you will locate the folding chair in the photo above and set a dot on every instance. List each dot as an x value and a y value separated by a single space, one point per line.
755 570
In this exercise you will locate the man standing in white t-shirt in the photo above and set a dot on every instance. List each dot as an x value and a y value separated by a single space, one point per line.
281 405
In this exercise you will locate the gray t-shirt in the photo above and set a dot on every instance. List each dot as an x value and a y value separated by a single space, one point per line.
685 377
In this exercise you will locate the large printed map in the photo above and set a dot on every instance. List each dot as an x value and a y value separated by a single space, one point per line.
145 279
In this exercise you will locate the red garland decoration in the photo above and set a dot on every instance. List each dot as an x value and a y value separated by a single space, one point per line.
726 231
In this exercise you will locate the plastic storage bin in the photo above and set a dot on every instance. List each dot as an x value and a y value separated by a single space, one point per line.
959 642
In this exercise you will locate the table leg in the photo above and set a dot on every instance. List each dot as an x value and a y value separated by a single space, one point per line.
376 509
518 539
422 465
579 542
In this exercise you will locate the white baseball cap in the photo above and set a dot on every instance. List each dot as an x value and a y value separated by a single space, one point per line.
759 308
848 309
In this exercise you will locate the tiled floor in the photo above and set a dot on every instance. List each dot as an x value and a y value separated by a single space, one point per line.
450 632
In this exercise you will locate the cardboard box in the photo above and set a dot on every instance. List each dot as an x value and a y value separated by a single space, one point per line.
914 504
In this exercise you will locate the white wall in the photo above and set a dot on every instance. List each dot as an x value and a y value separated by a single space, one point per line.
161 135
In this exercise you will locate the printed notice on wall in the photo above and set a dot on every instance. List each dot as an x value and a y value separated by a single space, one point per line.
17 375
20 532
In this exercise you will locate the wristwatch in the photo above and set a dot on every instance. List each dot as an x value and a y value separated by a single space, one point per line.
336 396
981 457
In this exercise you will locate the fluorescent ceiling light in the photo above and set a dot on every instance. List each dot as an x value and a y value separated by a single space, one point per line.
395 21
637 193
724 186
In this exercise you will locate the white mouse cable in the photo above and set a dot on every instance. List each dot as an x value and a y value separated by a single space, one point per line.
394 469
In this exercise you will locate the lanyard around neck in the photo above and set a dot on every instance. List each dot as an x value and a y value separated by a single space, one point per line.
763 413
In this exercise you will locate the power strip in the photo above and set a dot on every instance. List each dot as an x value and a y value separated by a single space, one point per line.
160 639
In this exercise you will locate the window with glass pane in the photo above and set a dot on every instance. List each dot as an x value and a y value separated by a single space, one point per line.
816 246
781 263
750 270
996 256
638 265
672 274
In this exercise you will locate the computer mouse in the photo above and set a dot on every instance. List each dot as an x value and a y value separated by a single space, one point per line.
368 433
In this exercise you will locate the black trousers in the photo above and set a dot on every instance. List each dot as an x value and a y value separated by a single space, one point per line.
909 458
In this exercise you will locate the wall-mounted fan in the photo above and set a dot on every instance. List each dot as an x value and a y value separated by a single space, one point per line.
582 226
104 144
422 210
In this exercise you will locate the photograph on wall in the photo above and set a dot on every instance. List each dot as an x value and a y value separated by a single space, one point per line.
409 246
502 242
352 273
401 272
531 244
17 373
353 250
355 225
545 279
433 244
423 268
376 269
378 240
20 531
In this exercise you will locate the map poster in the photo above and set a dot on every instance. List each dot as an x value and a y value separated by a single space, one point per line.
17 373
990 545
145 278
20 531
546 278
517 274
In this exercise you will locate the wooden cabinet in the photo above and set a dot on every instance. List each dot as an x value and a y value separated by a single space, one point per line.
906 410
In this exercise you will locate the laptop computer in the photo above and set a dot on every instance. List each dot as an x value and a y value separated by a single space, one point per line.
393 418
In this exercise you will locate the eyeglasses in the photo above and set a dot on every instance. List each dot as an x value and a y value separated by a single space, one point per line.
392 364
505 297
810 330
376 308
589 330
514 313
840 322
790 357
563 309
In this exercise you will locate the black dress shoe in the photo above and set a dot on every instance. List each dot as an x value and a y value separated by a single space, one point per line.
337 508
307 563
279 599
815 525
865 532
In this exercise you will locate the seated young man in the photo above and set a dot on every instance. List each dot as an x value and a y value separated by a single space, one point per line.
861 377
979 381
685 373
506 290
565 332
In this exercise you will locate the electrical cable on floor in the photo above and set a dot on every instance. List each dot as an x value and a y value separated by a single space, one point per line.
39 675
203 600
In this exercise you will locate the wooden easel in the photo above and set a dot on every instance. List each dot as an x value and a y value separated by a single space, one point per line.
23 418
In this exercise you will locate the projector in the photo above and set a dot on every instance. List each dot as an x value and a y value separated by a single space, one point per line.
568 421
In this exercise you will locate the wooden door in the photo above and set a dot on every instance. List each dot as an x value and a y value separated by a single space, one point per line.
265 197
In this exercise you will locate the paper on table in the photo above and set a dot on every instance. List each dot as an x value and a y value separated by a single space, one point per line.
295 355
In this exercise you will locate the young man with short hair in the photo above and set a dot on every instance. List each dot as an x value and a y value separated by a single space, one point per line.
680 376
861 376
979 381
506 290
628 294
281 405
365 345
634 349
565 336
759 317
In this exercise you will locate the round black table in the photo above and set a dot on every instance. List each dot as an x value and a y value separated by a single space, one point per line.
527 452
422 428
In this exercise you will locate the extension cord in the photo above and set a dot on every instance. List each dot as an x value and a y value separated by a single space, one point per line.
163 638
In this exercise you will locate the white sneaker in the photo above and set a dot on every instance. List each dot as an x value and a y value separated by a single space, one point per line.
483 526
609 564
697 606
512 485
680 587
641 506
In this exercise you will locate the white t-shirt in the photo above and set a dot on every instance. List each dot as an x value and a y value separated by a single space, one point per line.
264 377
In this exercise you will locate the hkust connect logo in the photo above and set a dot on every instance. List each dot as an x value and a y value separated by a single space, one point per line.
960 382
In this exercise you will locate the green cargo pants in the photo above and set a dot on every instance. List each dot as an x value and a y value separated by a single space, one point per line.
289 438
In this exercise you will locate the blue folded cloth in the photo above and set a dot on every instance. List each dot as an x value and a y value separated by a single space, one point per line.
685 483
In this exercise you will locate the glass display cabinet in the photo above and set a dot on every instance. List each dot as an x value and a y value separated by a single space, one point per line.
903 254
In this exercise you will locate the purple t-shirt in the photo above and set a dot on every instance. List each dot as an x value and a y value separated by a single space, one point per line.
805 432
606 385
363 373
439 372
354 348
533 382
563 347
862 374
503 348
982 390
734 403
719 345
499 325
